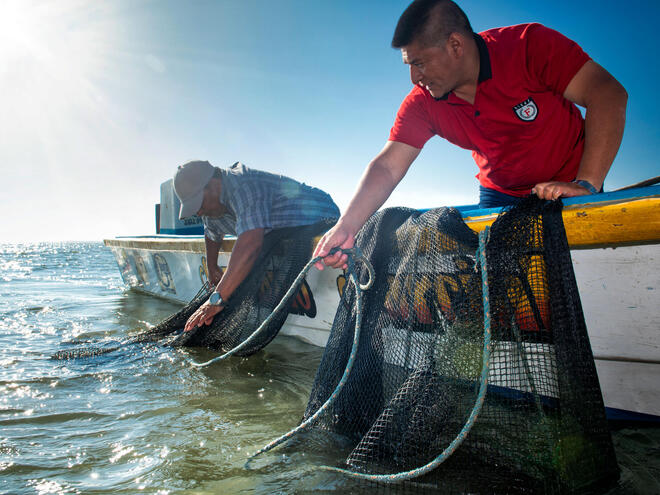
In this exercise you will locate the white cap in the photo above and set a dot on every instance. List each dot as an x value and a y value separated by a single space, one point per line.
189 182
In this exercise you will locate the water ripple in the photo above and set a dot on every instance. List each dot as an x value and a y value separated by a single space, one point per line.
141 419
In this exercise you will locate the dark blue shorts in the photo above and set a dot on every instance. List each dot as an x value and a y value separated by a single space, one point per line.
490 198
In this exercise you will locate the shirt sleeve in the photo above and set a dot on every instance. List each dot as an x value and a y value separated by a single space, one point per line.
552 58
412 124
213 234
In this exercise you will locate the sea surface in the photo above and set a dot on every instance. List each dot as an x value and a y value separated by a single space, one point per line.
142 421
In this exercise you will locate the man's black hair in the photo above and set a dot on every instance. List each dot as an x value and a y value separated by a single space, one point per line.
430 22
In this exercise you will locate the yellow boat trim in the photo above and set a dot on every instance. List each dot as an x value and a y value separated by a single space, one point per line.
594 225
617 223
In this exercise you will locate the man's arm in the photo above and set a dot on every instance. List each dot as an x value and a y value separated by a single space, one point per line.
212 250
246 250
245 253
604 99
378 181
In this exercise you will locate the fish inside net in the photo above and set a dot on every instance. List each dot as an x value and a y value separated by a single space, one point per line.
542 428
283 255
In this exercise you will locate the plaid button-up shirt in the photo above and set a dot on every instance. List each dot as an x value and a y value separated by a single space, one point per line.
257 199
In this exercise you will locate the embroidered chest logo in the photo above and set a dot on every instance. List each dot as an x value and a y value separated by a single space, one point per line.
527 110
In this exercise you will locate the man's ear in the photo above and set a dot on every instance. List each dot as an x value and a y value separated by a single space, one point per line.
456 44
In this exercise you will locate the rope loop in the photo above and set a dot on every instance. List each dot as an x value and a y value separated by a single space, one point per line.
353 254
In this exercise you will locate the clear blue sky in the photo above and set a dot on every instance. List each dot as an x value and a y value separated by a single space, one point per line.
102 100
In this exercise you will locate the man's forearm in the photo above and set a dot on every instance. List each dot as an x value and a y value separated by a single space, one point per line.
373 190
212 250
605 120
246 251
377 183
604 99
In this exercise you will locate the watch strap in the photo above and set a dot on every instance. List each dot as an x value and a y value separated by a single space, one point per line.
216 300
587 185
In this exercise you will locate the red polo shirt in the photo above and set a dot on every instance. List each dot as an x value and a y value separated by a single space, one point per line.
521 130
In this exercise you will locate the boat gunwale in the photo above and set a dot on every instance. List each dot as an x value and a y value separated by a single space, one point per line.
476 219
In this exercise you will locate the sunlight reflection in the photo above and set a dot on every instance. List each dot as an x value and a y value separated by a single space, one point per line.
53 54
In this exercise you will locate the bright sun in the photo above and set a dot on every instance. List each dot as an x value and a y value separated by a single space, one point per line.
51 54
64 69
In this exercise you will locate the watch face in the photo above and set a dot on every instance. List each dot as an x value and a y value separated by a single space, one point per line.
215 298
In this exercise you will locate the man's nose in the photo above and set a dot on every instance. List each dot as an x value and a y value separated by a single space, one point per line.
415 75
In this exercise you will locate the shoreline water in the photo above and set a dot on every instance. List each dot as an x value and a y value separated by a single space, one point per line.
140 420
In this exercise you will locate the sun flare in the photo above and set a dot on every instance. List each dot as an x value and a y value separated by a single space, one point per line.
51 54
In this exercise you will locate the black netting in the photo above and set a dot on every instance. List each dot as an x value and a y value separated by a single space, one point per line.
170 325
284 254
416 376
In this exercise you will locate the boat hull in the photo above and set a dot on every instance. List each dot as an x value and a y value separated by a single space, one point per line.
615 256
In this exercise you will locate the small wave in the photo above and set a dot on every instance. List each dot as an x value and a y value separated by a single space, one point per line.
51 418
38 309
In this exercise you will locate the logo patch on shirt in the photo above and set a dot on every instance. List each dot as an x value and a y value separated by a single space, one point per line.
527 110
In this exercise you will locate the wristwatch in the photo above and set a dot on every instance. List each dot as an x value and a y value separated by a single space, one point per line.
587 185
217 300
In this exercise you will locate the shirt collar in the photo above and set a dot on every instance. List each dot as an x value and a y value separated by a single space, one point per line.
485 71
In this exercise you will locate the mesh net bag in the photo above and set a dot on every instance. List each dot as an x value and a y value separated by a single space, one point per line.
417 372
284 254
162 332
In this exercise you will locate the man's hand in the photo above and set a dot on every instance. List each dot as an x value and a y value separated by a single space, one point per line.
380 178
556 190
337 236
203 316
246 250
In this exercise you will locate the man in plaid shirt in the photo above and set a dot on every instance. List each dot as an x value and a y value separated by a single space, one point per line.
246 203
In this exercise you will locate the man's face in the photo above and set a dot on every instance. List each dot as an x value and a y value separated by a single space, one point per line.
211 206
432 67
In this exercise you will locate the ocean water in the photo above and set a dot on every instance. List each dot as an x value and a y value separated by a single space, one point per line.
141 420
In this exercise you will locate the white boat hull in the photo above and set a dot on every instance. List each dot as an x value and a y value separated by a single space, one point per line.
619 292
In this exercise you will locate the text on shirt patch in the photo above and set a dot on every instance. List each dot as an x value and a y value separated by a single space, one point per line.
527 110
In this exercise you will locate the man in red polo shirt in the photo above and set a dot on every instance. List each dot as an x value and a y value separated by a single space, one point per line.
509 95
